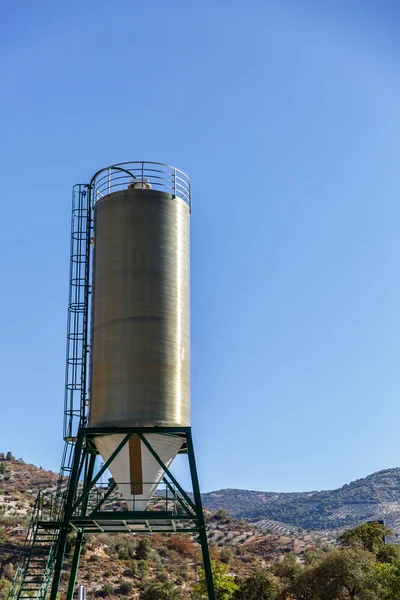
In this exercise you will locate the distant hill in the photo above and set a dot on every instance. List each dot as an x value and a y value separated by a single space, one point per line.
374 497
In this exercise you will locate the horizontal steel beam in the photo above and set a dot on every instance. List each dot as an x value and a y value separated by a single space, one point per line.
90 432
137 515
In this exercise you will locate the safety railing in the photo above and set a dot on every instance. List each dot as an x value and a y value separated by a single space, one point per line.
142 175
132 496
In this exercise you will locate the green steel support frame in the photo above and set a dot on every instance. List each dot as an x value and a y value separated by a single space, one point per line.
75 506
86 512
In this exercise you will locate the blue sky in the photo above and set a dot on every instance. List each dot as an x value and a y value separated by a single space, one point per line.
286 116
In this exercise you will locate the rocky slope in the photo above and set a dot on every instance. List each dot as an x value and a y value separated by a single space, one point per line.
125 565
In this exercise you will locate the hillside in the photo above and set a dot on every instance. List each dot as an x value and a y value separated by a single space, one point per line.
126 563
374 497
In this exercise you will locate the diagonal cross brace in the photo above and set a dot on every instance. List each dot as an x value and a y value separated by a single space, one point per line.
167 471
104 498
181 502
100 473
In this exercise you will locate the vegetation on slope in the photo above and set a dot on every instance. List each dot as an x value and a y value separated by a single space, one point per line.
374 497
247 564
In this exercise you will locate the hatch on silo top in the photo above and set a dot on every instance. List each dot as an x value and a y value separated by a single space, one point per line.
140 183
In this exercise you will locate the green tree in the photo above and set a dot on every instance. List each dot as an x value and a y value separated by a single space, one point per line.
143 550
9 456
370 536
299 580
224 584
389 553
346 569
387 579
259 586
161 591
222 514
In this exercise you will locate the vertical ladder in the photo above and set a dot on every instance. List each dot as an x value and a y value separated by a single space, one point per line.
78 314
36 566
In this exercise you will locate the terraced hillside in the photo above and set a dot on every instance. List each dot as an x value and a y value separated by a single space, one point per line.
374 497
128 563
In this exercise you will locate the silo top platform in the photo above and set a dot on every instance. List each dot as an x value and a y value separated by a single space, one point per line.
141 175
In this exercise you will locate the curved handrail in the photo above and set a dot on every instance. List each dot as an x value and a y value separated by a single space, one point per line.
158 176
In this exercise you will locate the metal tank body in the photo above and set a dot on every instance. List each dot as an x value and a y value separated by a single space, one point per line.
140 362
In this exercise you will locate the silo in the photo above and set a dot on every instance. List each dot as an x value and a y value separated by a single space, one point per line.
140 329
127 379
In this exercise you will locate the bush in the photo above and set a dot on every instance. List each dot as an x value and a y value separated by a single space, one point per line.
94 558
108 589
226 555
143 569
125 587
181 544
143 550
125 549
161 591
8 571
3 536
259 585
4 587
163 577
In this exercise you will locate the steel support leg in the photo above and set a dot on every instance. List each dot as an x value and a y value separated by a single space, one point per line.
75 564
80 537
200 516
67 514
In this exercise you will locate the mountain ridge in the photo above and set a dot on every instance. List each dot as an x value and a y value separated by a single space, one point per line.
374 497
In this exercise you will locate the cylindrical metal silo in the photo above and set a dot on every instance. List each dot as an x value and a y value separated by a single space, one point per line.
140 342
141 315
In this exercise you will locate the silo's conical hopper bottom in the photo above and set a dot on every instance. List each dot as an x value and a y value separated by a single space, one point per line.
135 470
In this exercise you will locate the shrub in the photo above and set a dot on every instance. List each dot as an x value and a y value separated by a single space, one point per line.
108 589
3 536
181 544
93 558
143 569
226 555
143 550
161 591
163 577
131 572
8 571
125 587
4 587
125 549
